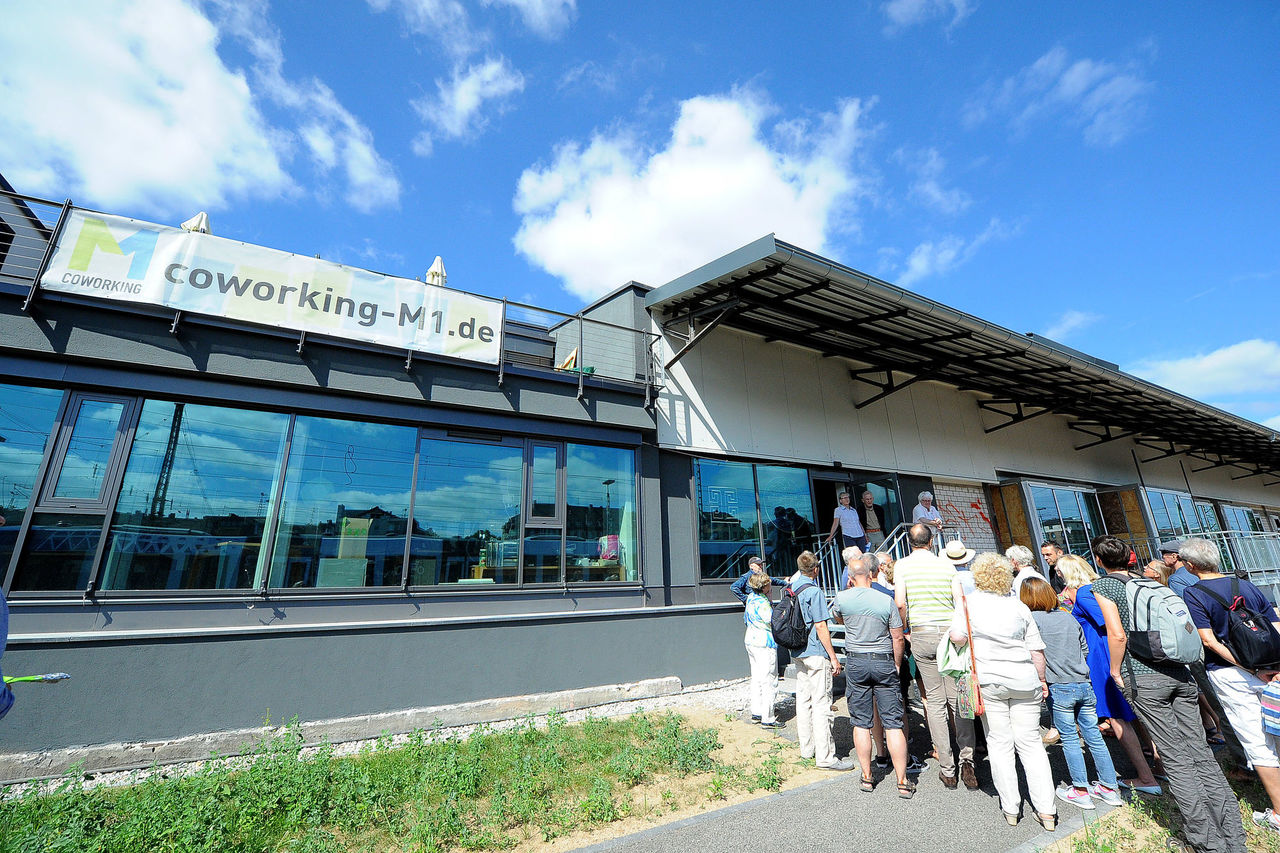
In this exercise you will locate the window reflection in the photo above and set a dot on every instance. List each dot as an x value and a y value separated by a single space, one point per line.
26 419
600 541
59 551
466 514
345 509
728 525
193 504
1069 517
542 480
787 511
85 464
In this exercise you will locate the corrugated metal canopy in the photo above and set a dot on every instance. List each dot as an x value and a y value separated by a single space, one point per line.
783 293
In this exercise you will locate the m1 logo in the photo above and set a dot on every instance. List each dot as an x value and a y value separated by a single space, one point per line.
96 236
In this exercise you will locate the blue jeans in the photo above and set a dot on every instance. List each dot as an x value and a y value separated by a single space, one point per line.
1074 703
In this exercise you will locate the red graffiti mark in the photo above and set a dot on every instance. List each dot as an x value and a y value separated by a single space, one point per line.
953 516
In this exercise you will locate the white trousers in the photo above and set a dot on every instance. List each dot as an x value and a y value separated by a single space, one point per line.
764 681
1239 691
813 709
1013 730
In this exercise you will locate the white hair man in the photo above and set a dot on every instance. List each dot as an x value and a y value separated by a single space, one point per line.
873 653
1210 600
1024 566
926 513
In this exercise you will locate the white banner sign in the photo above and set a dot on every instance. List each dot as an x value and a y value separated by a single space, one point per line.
112 257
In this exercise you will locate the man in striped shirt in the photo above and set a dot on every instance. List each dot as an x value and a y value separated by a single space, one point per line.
925 589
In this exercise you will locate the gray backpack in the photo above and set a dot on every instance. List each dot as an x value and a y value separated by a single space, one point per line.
1161 629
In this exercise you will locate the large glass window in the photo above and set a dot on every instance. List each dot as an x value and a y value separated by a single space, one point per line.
1068 516
195 497
344 513
1241 518
728 524
193 504
466 513
1174 514
787 511
26 419
600 533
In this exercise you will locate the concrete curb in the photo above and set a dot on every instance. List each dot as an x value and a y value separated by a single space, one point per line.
105 758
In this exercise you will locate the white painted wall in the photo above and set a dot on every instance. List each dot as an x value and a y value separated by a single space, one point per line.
735 394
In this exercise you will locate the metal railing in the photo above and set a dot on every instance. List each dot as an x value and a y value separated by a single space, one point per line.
1254 554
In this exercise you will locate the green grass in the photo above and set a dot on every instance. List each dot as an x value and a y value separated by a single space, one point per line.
486 791
1145 824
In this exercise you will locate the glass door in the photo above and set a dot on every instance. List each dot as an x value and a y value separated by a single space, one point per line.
884 509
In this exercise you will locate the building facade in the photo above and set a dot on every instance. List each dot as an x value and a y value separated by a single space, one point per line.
210 519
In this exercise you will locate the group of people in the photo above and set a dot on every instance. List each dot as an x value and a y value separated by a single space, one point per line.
995 631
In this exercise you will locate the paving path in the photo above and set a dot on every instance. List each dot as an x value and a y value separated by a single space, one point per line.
836 815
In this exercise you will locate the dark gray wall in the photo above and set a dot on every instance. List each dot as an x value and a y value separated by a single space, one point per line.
61 341
144 690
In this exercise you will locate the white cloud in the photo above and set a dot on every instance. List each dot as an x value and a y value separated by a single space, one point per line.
1069 323
141 112
456 111
614 209
908 13
129 106
934 258
332 135
1247 367
1105 100
1274 423
446 21
928 188
547 18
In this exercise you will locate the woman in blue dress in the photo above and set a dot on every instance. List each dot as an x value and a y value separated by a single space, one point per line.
1079 577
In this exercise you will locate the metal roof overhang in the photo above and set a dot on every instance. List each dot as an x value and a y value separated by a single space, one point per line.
783 293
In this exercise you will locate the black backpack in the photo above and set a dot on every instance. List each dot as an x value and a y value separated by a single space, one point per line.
1251 637
789 628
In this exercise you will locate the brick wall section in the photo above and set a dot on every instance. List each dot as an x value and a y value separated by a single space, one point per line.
965 511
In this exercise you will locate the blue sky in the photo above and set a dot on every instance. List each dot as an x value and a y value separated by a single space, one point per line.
1105 174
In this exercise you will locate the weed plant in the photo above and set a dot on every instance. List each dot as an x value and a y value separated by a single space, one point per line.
485 791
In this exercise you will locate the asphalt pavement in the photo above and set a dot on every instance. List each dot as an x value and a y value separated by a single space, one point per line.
835 814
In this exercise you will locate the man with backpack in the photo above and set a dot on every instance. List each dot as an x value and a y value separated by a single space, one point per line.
1152 639
816 663
1238 626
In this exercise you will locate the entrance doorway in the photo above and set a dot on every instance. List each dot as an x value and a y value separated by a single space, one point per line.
827 485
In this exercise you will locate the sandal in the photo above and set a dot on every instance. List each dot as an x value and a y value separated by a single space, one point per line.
906 789
1213 736
868 785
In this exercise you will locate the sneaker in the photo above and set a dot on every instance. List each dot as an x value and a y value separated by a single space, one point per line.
841 765
881 762
1153 790
1110 796
774 724
1071 794
755 718
1267 820
915 764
